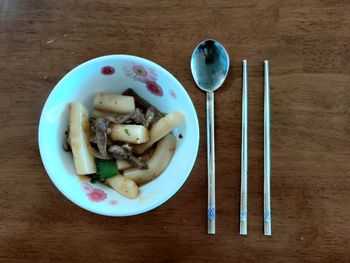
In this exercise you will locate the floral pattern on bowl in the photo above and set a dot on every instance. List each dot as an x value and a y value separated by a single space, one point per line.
107 70
145 75
97 195
94 194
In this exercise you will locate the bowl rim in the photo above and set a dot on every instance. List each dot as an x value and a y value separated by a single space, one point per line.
153 205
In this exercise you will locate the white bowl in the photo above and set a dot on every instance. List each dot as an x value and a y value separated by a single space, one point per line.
114 74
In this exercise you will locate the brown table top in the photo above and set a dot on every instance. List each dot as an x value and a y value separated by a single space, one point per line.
307 44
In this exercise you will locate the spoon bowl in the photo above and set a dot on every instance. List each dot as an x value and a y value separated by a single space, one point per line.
209 65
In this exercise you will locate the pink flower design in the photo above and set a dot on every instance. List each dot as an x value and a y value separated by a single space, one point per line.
173 94
139 72
154 88
96 195
87 187
113 202
107 70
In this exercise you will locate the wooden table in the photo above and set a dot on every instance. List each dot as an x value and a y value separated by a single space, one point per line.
307 43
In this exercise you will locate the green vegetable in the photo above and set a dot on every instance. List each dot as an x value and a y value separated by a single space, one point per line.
127 132
106 168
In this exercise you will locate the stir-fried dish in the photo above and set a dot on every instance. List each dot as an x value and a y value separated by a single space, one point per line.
126 143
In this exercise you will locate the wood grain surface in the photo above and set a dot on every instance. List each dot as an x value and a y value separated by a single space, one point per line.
307 44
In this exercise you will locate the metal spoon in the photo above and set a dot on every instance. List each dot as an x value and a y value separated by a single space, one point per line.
209 65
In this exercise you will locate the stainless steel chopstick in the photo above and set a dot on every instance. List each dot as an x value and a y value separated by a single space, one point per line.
267 205
244 153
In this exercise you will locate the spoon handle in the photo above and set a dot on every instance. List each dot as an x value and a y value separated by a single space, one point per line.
267 168
211 162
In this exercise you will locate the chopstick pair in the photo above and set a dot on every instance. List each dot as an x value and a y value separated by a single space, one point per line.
244 153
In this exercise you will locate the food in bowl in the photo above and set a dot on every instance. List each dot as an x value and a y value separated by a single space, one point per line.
81 85
126 143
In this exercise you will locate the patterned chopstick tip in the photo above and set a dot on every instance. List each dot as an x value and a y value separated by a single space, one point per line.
211 213
267 215
243 215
